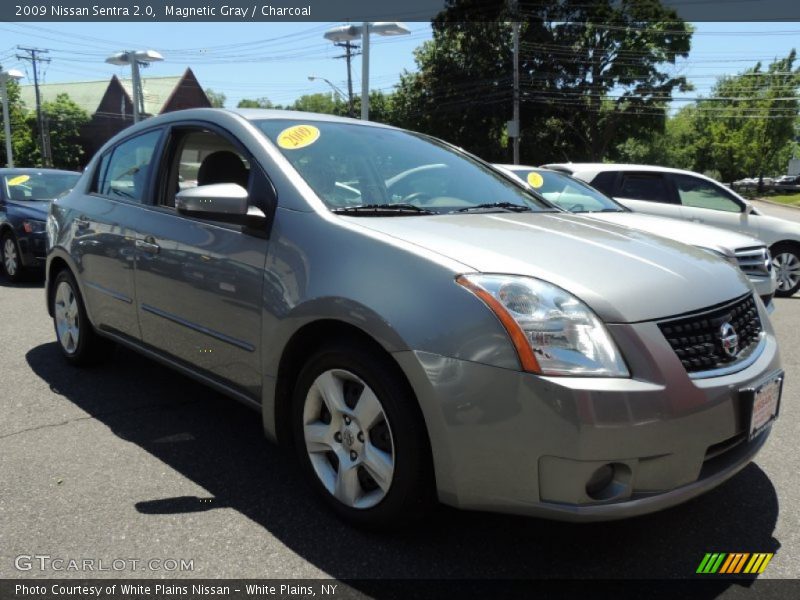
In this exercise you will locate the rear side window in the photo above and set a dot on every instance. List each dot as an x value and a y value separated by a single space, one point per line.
644 186
125 171
700 193
605 182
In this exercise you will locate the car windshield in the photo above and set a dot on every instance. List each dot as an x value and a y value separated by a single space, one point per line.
41 185
567 192
374 171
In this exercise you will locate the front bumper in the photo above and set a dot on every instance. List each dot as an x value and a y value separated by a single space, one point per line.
515 442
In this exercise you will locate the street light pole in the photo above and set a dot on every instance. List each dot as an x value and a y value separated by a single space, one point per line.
345 33
365 72
135 58
136 85
5 76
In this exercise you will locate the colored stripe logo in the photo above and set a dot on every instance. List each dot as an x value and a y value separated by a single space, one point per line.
734 563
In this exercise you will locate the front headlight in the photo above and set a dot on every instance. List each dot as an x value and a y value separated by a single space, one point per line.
554 332
32 226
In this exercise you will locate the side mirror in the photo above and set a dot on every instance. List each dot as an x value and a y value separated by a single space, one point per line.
748 208
227 202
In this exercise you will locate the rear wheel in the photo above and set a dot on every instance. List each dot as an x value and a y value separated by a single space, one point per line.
360 438
78 342
786 262
12 263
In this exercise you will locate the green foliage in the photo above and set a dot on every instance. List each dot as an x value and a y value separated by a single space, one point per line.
22 142
64 121
747 123
263 102
324 103
743 129
217 99
592 75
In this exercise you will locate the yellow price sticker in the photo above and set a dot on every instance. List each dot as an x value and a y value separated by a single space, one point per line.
535 180
298 136
18 180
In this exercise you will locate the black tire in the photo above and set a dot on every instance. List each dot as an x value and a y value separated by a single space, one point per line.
18 273
90 348
780 253
412 491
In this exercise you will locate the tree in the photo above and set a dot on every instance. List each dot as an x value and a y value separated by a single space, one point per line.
319 103
22 137
64 121
263 102
217 99
745 127
591 75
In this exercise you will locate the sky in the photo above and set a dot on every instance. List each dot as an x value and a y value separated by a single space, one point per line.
253 60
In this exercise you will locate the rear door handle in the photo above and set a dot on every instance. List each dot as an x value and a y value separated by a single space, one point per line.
148 245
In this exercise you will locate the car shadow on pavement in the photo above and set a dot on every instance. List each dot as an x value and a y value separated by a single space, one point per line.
219 445
32 280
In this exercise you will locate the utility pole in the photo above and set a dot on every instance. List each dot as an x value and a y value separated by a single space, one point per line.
514 130
33 56
348 55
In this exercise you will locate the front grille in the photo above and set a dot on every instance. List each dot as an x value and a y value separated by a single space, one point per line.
754 261
697 339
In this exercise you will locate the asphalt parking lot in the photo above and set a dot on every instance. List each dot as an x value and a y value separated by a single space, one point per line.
130 460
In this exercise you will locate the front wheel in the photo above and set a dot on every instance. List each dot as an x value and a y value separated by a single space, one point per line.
78 342
360 438
12 262
786 262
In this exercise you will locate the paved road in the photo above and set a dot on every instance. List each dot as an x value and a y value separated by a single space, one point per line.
131 460
776 210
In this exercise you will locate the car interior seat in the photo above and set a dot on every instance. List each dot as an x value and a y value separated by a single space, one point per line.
223 166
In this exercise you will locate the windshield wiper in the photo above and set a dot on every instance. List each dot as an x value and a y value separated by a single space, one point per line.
380 210
605 210
502 206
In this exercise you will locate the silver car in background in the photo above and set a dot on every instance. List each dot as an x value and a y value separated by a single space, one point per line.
576 196
414 332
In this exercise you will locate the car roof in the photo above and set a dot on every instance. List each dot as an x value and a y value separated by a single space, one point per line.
603 167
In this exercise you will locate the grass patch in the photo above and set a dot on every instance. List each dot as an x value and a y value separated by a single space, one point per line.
789 199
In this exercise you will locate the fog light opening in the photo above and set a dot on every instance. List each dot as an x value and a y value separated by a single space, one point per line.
608 482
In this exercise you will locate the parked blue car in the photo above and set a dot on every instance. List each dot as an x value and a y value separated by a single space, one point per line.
25 196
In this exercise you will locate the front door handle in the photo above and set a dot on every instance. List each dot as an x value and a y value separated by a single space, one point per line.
148 245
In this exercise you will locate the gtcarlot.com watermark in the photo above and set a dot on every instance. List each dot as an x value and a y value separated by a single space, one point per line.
45 562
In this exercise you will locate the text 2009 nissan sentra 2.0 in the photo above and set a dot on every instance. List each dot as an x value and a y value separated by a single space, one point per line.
416 324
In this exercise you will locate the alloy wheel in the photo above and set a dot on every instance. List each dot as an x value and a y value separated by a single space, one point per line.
348 439
67 317
10 258
787 270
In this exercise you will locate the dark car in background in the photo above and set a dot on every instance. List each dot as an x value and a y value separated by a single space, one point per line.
25 196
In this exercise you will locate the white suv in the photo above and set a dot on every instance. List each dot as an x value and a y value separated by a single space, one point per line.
691 196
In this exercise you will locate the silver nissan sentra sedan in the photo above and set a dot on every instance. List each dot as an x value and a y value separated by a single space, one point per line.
415 324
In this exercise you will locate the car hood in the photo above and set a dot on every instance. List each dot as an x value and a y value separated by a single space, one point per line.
623 274
29 209
686 232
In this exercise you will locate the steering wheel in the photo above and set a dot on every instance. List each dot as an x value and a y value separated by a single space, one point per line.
420 197
576 208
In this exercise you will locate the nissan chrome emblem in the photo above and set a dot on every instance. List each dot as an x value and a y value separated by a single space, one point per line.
729 339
